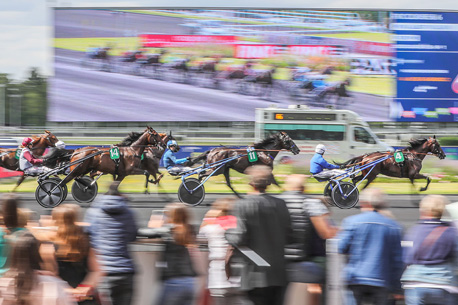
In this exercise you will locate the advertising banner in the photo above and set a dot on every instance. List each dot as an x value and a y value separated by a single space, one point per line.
426 49
160 41
266 51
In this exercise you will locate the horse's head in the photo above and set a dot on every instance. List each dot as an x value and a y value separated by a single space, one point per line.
49 138
153 138
288 143
435 148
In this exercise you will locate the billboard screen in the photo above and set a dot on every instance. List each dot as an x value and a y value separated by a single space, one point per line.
219 65
426 50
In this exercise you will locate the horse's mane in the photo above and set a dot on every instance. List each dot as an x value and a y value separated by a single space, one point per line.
130 139
414 143
263 143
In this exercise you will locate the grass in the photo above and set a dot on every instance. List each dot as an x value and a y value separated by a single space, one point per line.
374 37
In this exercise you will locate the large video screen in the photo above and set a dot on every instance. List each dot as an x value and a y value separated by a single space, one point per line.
220 65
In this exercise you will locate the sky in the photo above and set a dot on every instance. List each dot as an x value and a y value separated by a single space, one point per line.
26 25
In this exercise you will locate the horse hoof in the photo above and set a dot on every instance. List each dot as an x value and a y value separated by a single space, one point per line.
423 189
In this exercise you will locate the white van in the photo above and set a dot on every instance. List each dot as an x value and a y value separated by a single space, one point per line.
343 132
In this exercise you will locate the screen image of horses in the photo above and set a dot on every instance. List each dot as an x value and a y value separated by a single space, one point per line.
219 65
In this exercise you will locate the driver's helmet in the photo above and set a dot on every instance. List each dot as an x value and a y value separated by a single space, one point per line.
60 144
27 141
320 149
172 143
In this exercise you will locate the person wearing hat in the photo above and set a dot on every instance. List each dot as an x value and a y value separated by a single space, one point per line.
173 165
28 163
57 155
318 164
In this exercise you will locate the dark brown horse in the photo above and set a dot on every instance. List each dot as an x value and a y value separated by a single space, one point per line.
413 155
149 165
40 143
129 161
266 149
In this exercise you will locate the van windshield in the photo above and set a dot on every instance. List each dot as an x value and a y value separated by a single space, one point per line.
308 132
362 135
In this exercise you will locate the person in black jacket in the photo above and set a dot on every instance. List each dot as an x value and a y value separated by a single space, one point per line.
264 226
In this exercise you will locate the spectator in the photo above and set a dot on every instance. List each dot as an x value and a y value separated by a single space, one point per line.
264 226
373 244
223 290
111 225
25 283
430 277
311 227
178 272
71 257
10 211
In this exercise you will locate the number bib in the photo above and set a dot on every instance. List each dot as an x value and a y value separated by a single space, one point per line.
252 155
114 153
399 156
17 155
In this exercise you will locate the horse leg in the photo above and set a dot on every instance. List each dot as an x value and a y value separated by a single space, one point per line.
228 181
146 182
274 181
370 178
428 181
21 179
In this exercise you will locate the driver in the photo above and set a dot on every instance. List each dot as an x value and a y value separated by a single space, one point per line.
28 163
173 165
319 167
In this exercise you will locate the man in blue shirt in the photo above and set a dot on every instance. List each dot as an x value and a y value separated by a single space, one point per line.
318 164
173 165
372 242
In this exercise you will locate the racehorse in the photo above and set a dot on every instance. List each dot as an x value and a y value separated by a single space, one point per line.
39 144
129 161
151 60
99 54
414 155
149 165
266 149
338 91
262 81
208 72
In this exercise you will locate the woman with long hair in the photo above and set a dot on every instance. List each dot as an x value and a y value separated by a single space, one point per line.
24 283
71 257
178 273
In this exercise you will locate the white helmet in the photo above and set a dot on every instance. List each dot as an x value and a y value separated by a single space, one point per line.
60 144
320 149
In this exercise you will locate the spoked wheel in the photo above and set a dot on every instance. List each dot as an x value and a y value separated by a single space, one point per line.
347 198
64 187
50 194
327 192
83 191
190 192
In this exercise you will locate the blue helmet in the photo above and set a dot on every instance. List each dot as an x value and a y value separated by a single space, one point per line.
171 143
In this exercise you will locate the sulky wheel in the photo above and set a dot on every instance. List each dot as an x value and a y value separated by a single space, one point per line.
49 193
83 190
347 198
64 186
327 192
190 192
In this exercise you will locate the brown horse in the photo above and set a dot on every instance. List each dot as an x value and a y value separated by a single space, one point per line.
40 143
414 155
149 165
129 161
266 149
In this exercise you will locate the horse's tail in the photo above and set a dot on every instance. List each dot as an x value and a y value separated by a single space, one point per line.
350 162
199 158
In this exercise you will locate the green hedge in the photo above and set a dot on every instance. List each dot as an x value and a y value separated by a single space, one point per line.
449 141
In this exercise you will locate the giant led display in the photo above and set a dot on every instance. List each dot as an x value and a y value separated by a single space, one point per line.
220 65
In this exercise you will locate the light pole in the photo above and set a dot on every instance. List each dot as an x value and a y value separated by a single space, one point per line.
2 104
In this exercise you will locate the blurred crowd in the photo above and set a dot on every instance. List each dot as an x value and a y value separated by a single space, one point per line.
256 248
